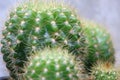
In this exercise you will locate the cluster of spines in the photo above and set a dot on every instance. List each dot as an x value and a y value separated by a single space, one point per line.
52 64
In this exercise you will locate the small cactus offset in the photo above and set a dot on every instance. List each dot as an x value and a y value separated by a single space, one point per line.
32 26
52 64
104 71
99 44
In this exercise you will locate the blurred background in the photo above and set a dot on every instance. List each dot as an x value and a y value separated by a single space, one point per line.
105 12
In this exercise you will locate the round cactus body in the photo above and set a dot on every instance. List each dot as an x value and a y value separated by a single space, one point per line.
31 27
52 64
99 44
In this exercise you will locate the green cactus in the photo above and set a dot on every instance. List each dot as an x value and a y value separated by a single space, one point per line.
104 71
32 26
36 25
99 44
52 64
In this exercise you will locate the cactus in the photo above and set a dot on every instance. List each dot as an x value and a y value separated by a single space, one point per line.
32 26
35 25
104 71
52 64
99 44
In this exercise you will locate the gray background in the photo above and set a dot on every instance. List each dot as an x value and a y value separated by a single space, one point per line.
105 12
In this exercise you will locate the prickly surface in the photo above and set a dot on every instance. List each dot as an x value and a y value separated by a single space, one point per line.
29 29
52 64
104 71
33 26
99 44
